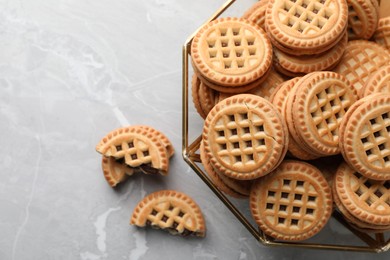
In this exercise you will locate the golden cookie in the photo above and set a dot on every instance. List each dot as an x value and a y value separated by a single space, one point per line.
353 221
320 102
366 199
365 142
231 52
139 147
172 211
378 82
363 18
300 65
279 100
294 202
307 26
361 59
294 134
244 137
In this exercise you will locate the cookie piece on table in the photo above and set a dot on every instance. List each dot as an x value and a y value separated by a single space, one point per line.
115 171
141 148
170 210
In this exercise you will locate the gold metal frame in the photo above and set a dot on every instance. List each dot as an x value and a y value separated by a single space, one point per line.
374 244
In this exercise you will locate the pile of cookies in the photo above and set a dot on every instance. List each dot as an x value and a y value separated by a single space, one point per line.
141 148
284 88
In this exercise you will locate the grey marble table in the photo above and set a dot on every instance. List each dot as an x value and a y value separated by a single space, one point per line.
73 70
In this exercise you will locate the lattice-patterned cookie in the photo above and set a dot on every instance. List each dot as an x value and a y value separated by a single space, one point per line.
320 102
115 171
382 33
378 82
363 18
365 199
170 210
236 188
279 100
231 52
365 141
355 222
140 147
310 26
288 116
256 13
294 202
361 59
299 65
244 137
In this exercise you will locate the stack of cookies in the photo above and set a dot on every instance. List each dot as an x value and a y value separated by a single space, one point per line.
231 55
307 35
364 202
271 136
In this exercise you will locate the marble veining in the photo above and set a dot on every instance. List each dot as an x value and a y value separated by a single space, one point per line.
71 71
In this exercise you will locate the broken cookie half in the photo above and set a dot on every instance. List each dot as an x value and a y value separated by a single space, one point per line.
172 211
133 149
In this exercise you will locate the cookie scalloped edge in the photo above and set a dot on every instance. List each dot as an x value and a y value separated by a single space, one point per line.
231 80
310 43
321 181
348 149
172 194
266 107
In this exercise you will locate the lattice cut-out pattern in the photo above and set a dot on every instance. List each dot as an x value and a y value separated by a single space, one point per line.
232 48
291 204
359 63
165 215
375 138
306 16
374 194
135 152
327 109
241 138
